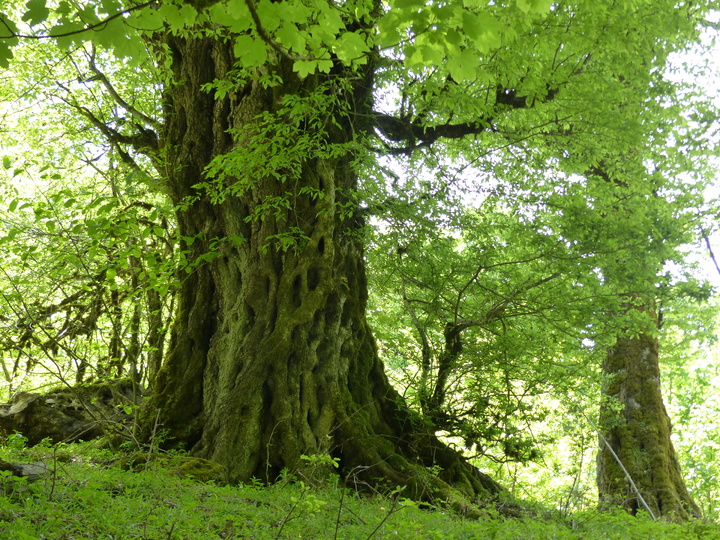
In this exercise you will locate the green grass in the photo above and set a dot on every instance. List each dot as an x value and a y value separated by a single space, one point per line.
87 497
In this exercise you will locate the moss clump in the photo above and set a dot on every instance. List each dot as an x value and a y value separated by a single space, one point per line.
201 470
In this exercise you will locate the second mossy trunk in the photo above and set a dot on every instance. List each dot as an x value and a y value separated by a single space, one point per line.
635 429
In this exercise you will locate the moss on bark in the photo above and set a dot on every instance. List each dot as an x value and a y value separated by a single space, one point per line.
636 427
271 357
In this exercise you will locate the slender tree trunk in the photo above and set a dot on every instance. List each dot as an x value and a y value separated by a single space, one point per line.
114 365
157 327
635 429
270 355
131 352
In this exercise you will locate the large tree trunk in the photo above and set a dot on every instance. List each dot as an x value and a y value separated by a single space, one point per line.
271 356
635 429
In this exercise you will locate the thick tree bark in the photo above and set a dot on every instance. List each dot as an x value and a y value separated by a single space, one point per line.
635 429
271 356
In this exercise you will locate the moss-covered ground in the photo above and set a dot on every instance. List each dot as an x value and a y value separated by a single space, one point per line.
88 495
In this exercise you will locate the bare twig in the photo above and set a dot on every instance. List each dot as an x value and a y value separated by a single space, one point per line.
393 509
705 237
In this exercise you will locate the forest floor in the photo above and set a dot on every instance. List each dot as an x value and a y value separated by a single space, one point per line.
85 494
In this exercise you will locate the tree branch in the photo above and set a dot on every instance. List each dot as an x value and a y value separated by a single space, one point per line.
260 29
709 248
100 76
144 141
416 135
87 28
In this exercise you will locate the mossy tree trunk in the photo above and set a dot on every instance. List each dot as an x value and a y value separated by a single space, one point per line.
635 428
271 356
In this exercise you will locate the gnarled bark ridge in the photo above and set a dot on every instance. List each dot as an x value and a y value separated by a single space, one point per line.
271 356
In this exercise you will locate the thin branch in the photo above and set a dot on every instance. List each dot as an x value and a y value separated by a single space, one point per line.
87 28
426 349
709 248
267 38
418 136
99 75
144 142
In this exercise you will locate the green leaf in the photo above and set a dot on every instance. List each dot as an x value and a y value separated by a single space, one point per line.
484 30
329 24
71 32
106 208
112 6
389 30
189 14
63 8
291 37
177 19
269 15
534 6
36 13
237 10
453 39
428 52
524 5
112 35
463 66
304 67
408 4
250 51
234 16
6 55
324 65
351 46
7 27
147 19
295 12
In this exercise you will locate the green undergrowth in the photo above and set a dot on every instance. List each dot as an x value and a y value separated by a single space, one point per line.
87 494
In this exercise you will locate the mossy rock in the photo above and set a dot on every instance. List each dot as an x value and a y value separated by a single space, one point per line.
69 414
201 470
